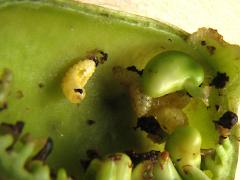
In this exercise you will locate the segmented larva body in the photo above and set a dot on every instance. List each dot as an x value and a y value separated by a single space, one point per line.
141 103
76 78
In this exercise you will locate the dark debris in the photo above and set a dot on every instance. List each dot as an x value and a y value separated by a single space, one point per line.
43 154
220 80
134 69
139 157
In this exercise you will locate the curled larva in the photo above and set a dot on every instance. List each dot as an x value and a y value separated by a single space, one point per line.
76 78
141 103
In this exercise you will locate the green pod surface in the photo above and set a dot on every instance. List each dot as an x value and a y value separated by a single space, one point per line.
40 40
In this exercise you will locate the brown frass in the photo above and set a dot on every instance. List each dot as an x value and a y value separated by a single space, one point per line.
228 120
134 69
139 157
220 80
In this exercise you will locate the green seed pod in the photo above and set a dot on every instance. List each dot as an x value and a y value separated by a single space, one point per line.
114 167
169 72
184 146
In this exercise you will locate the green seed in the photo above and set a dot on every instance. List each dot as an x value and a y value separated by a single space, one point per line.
184 146
169 72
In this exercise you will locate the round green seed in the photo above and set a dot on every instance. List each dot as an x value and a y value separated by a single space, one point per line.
169 72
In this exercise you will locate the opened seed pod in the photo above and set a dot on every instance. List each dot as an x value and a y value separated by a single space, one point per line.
75 108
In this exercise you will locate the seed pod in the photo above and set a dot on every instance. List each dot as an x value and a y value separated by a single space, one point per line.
76 78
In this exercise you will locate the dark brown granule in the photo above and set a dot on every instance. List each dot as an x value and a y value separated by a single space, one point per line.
228 120
78 90
203 43
43 154
115 157
90 122
217 107
15 130
169 39
211 49
139 157
179 159
220 80
40 85
134 69
98 56
4 106
104 57
150 125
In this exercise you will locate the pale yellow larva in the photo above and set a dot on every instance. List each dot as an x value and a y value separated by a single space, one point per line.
141 103
76 78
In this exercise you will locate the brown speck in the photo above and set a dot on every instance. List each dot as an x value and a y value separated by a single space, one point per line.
90 122
205 152
139 157
217 107
4 106
115 157
179 159
19 94
40 85
203 43
220 80
150 125
169 39
211 49
78 90
228 120
134 69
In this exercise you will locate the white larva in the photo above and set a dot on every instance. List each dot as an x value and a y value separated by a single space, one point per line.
76 78
141 103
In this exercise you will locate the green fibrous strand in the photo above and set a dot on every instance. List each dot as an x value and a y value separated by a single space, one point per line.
17 157
40 40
